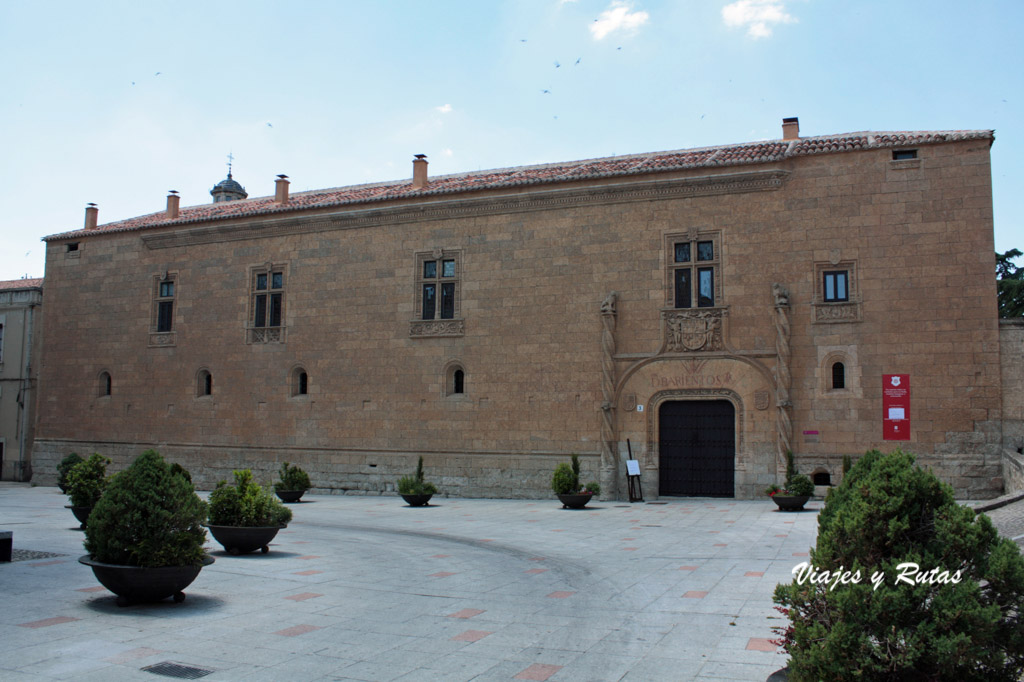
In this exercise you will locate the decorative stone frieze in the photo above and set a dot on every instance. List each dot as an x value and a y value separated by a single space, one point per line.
162 339
265 335
419 329
836 312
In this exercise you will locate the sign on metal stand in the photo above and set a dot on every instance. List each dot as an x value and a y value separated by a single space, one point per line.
636 493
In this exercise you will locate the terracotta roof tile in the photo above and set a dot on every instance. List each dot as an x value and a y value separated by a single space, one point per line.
637 164
21 284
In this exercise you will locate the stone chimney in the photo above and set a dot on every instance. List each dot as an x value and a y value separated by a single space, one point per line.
172 204
281 192
791 128
92 213
419 171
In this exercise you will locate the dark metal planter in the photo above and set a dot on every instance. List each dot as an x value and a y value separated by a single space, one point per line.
140 585
289 495
575 500
244 539
81 513
417 500
791 502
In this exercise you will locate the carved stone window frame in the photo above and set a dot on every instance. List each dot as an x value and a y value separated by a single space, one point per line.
692 236
267 333
834 312
157 338
437 326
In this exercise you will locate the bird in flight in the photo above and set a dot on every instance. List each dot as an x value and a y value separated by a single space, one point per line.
578 61
545 92
268 125
557 65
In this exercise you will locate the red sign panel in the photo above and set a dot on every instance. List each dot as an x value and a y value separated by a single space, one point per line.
896 406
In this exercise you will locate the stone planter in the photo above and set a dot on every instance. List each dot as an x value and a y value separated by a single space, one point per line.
139 585
575 500
790 502
244 539
81 513
289 495
417 500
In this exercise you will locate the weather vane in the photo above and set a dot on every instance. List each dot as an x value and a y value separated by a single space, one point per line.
231 158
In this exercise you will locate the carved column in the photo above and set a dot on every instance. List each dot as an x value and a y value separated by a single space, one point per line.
783 378
609 442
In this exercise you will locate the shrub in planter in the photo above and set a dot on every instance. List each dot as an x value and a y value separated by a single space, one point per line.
566 484
149 516
294 482
87 480
246 503
64 468
415 489
888 512
244 517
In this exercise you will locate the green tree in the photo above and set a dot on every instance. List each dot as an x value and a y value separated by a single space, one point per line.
888 512
1010 284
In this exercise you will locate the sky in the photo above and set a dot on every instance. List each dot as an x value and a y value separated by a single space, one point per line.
116 103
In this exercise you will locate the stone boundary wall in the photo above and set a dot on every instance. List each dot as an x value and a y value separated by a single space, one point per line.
486 475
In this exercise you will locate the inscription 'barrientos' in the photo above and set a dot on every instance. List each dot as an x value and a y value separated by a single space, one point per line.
691 380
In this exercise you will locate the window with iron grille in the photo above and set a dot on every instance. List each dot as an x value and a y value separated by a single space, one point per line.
267 303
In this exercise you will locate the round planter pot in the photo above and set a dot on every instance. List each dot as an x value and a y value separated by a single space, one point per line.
243 539
790 502
81 513
575 500
417 500
139 585
289 495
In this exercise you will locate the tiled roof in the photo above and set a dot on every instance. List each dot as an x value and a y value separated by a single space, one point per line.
21 284
617 166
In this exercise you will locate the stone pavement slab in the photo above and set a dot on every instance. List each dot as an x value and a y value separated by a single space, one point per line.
366 588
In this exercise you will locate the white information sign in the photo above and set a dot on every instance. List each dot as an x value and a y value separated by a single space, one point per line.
632 467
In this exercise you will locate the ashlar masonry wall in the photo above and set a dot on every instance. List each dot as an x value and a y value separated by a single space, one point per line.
535 266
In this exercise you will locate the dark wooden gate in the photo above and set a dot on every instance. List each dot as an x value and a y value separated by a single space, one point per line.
697 448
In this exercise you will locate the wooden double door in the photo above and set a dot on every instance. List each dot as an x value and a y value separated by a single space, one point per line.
697 448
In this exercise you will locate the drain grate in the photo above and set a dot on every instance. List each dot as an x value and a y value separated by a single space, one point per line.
32 555
179 670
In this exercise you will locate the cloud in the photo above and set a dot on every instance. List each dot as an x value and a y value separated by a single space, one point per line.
618 17
445 109
759 16
447 152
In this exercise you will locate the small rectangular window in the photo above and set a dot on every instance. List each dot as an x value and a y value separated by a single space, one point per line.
260 317
903 154
276 280
683 252
429 301
72 246
166 289
261 282
835 286
447 300
706 287
448 268
429 269
683 288
705 251
275 310
165 316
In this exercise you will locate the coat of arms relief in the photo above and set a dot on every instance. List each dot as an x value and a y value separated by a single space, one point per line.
693 330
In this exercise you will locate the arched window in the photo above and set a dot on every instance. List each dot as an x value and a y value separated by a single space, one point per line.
821 478
454 379
204 383
299 382
838 375
105 384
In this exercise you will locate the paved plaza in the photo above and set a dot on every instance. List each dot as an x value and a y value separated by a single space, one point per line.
366 588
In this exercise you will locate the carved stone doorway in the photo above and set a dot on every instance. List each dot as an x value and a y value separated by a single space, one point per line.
697 448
